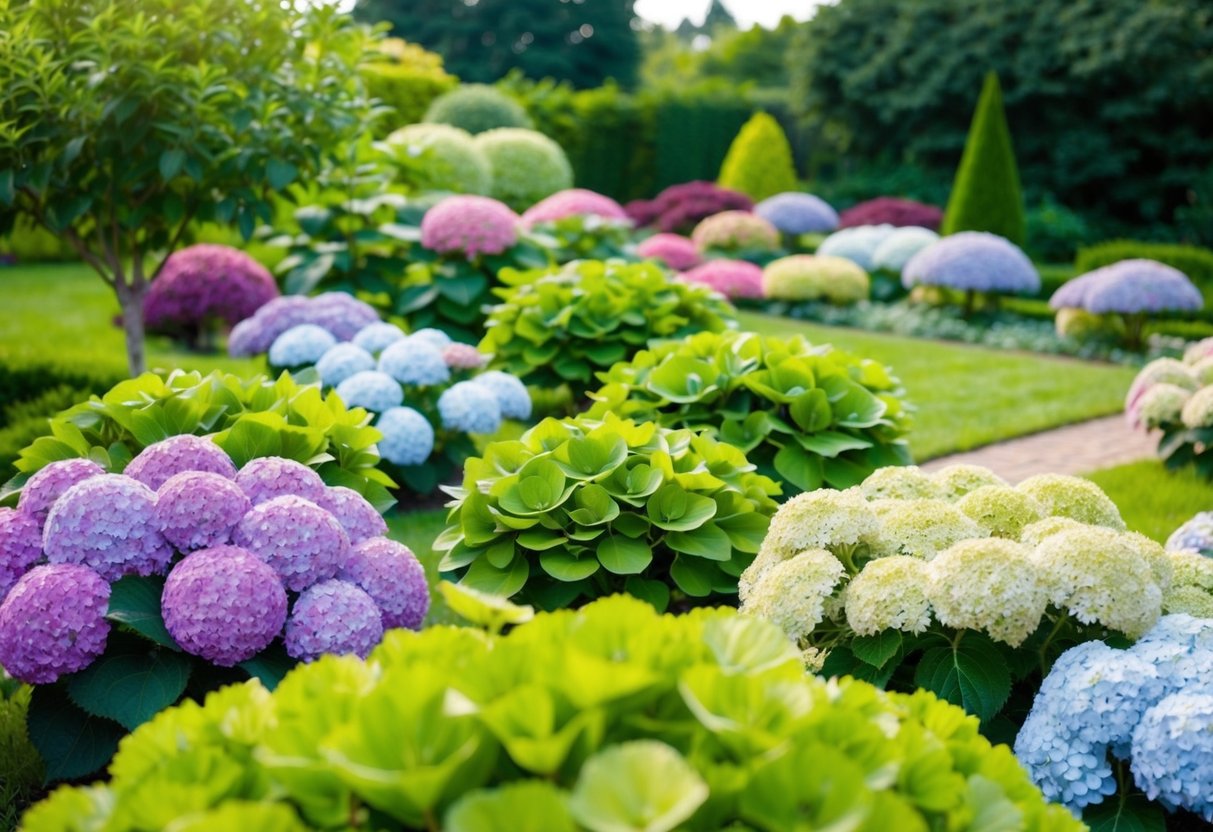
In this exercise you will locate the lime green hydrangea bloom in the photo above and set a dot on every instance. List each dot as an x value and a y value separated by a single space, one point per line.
1000 510
820 520
889 594
904 482
959 479
814 277
1198 410
1202 371
793 594
988 585
1191 588
920 528
1034 533
1073 497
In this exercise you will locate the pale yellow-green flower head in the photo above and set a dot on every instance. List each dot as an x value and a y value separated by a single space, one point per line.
1034 533
889 594
988 585
1162 405
1202 370
1000 510
959 479
906 482
821 519
920 528
1192 585
793 593
1198 410
1073 497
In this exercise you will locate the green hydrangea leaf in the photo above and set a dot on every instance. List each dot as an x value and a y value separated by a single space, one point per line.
625 555
640 786
135 602
971 673
708 541
485 577
565 566
72 743
1135 814
877 649
529 806
130 684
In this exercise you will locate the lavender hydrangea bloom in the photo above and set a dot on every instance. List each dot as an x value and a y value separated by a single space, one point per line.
333 617
198 510
797 213
897 249
268 477
301 345
856 244
371 389
223 604
53 623
1195 535
972 261
161 460
340 313
469 407
300 540
415 360
408 437
46 486
391 574
354 513
1173 752
510 392
107 523
375 337
20 546
1128 287
343 361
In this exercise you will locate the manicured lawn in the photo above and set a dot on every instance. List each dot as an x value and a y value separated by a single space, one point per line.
1153 500
971 396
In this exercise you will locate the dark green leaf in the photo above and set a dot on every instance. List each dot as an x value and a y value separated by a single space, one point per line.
131 686
1136 814
72 743
269 666
625 555
135 602
280 173
171 162
877 649
971 674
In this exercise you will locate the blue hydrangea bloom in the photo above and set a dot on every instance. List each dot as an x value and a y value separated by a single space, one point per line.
857 244
1173 752
343 361
511 393
434 337
469 407
972 260
371 389
408 437
797 213
1128 287
301 345
374 338
414 361
1196 534
897 249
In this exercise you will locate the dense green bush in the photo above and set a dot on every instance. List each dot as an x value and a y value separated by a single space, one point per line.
1194 261
439 157
477 108
527 166
759 162
808 416
985 194
556 328
406 78
581 508
1054 232
611 718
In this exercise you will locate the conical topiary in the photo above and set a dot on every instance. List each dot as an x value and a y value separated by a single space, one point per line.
759 162
986 195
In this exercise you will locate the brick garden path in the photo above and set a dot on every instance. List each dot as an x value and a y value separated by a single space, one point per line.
1073 449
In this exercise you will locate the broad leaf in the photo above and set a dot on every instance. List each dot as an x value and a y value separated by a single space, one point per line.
971 674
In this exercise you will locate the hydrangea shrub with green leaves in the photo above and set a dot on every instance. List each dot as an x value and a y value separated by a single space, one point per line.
1176 397
579 508
609 718
956 582
559 327
808 416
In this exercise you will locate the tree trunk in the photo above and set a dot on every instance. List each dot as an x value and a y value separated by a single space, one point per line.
130 298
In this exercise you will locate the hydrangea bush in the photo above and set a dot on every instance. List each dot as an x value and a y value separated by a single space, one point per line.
796 213
446 159
336 312
735 232
923 580
184 572
808 277
1109 724
679 208
527 166
1176 397
580 508
556 328
735 279
676 251
857 244
469 226
608 718
889 210
975 263
807 416
897 249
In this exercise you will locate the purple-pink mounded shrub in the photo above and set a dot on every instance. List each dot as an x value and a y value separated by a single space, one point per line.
735 279
575 202
469 226
52 622
680 207
678 252
203 288
341 314
891 210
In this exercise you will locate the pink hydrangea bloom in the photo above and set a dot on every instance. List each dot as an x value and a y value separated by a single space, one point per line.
353 512
732 278
463 357
574 202
470 226
300 540
20 546
52 622
676 251
46 486
207 282
198 510
333 617
157 462
391 574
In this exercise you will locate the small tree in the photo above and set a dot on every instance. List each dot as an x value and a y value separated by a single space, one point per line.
985 195
759 161
123 121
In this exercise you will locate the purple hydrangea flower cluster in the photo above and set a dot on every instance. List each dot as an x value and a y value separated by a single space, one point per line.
679 207
393 577
198 509
574 202
373 390
268 477
891 210
20 546
157 462
358 517
53 622
676 251
408 437
333 617
207 282
732 278
1129 287
341 314
973 261
470 408
415 361
48 485
301 345
223 604
341 362
469 226
303 542
797 213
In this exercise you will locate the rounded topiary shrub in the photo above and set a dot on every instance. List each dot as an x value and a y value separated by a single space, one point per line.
441 158
609 718
734 231
527 166
857 244
809 416
477 108
815 277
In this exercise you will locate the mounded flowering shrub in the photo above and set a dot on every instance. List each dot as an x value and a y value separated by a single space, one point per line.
1196 535
676 251
203 288
1133 290
796 213
340 314
578 224
734 231
527 166
1176 397
443 158
679 208
897 249
575 202
477 108
857 244
609 718
608 310
580 508
919 580
973 262
735 279
1109 723
807 416
803 277
469 226
182 573
891 210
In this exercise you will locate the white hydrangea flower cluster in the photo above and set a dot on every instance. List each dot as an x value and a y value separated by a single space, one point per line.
792 594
